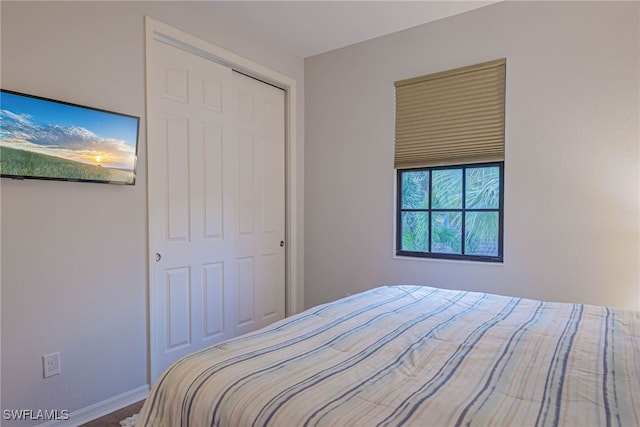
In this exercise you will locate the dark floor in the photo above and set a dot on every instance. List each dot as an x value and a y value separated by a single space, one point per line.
113 419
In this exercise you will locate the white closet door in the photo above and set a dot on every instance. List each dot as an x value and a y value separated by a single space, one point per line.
259 209
216 203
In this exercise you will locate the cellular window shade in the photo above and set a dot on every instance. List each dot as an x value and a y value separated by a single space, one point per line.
451 117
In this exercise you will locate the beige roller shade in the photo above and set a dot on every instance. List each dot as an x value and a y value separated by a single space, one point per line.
451 117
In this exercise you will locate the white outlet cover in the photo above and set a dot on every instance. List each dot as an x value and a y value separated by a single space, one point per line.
51 364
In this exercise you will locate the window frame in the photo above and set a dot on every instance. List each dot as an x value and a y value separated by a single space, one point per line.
463 210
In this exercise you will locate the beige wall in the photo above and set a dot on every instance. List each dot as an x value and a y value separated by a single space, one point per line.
74 255
572 214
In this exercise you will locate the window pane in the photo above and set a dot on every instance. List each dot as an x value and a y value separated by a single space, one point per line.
415 231
483 188
415 190
446 232
432 210
481 233
447 189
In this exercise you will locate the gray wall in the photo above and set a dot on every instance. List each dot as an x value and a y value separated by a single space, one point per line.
572 214
74 255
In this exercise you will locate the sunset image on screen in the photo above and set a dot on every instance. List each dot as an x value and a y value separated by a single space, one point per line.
42 138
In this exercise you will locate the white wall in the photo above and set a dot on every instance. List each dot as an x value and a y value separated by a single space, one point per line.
572 214
74 255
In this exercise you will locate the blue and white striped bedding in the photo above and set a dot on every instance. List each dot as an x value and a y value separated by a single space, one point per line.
414 356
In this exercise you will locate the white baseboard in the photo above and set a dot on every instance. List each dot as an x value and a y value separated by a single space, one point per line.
99 409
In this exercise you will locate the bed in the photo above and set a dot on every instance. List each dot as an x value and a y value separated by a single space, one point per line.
414 356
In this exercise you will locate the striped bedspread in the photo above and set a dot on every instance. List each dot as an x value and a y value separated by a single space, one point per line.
414 356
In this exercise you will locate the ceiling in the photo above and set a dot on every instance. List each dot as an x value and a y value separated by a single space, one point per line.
307 28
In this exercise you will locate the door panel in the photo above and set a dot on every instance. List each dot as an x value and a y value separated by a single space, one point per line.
213 180
177 170
213 300
216 203
246 288
178 314
246 182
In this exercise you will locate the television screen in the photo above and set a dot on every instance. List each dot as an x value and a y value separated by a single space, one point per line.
45 139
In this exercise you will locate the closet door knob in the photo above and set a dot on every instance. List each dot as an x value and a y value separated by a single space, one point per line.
282 243
158 257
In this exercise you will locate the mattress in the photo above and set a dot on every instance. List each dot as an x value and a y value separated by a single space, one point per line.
414 356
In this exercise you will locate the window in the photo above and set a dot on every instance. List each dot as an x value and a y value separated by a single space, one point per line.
451 212
449 157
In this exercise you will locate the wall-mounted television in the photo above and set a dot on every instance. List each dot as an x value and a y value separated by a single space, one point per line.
42 138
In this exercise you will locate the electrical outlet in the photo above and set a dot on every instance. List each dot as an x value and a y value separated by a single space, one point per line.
51 364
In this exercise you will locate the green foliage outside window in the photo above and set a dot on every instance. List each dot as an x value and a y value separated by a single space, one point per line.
439 205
